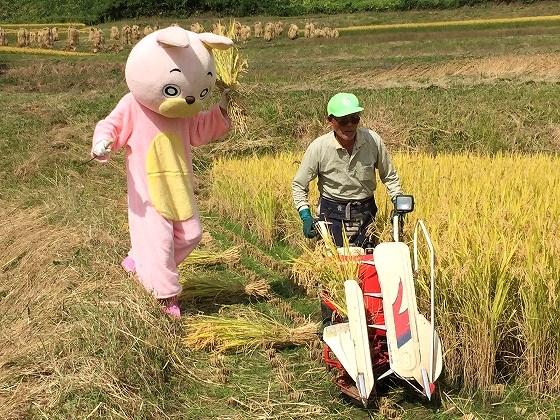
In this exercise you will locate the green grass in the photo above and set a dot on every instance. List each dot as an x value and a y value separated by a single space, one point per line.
99 345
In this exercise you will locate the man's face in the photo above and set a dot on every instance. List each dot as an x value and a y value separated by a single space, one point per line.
345 127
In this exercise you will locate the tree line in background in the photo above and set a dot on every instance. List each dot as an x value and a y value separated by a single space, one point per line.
97 11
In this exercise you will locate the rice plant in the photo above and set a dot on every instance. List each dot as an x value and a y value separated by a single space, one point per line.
494 221
323 270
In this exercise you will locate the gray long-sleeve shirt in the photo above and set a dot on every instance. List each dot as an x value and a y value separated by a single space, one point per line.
342 176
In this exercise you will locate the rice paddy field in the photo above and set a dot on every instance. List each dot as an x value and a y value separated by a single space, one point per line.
470 115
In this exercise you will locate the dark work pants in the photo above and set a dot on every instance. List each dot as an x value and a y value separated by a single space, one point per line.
355 215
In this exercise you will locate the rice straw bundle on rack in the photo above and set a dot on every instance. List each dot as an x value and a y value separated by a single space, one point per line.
200 288
229 67
248 331
199 257
325 270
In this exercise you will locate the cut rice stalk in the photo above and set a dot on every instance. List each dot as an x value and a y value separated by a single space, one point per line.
229 67
198 288
199 257
324 270
247 332
258 288
229 63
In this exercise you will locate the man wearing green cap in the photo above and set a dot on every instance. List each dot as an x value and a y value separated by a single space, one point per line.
344 161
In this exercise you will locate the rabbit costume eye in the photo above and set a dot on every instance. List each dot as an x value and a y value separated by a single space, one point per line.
171 91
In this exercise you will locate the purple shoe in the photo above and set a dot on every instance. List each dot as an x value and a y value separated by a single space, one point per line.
129 265
171 307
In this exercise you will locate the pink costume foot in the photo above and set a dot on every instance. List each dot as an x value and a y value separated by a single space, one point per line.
171 307
128 265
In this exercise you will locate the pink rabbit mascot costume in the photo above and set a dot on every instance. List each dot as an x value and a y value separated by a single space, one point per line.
170 73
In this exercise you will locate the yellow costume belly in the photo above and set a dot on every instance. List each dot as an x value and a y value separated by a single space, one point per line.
169 181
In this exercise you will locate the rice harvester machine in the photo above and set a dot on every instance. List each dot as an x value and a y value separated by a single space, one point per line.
383 334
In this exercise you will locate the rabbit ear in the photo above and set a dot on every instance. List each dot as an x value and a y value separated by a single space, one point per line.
213 41
173 36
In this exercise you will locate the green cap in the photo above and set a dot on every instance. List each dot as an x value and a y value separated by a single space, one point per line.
343 104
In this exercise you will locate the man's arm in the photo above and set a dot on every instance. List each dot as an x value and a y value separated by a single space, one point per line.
387 172
307 171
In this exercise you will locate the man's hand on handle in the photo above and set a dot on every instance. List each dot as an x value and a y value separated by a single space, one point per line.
308 223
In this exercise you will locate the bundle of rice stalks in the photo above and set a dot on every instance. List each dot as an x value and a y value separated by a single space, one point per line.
221 286
200 257
324 270
247 331
229 67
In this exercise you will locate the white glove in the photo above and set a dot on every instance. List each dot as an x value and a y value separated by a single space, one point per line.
224 100
102 148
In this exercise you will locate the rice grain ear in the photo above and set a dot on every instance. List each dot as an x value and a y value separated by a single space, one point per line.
229 67
258 288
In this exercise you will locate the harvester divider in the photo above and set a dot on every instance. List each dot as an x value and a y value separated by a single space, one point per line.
378 327
389 372
362 389
411 384
413 344
427 384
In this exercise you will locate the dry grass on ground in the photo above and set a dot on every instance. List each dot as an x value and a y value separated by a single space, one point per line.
63 327
463 72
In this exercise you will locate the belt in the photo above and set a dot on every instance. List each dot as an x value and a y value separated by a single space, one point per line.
348 205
